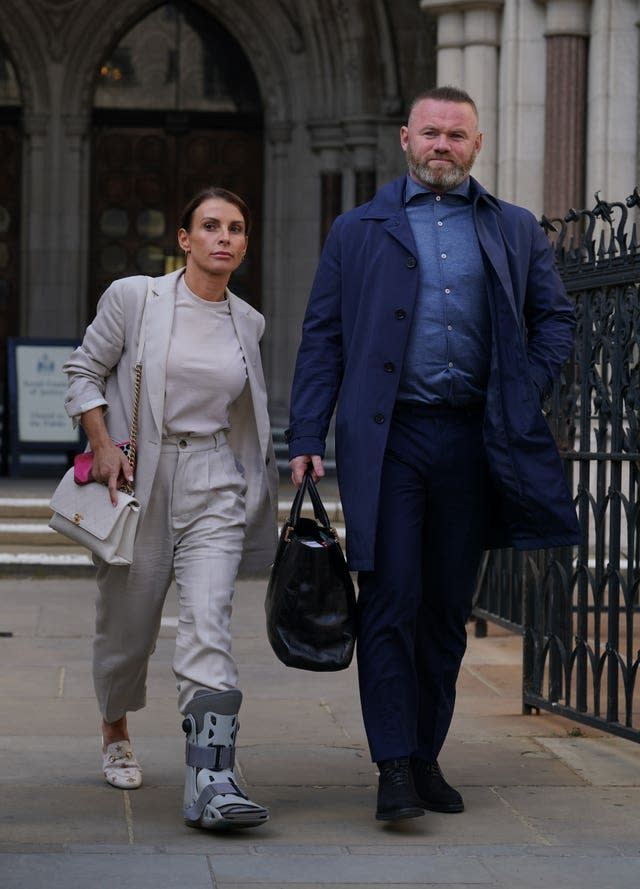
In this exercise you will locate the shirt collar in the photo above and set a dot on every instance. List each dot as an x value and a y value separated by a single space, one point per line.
413 188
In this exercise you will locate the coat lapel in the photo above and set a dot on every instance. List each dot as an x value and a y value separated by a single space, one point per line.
398 227
244 329
493 246
158 323
388 207
249 342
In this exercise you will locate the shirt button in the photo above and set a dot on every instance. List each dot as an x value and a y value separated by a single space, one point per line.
182 443
447 290
451 364
379 418
438 197
449 326
440 222
400 314
389 367
412 262
443 255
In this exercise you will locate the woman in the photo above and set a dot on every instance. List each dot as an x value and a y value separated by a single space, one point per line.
206 479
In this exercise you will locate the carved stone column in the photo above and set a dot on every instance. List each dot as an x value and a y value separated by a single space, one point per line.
281 335
468 48
328 142
361 138
35 191
567 33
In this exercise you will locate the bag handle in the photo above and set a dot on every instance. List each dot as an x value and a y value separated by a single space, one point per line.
319 511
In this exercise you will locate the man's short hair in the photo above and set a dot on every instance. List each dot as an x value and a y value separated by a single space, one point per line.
444 94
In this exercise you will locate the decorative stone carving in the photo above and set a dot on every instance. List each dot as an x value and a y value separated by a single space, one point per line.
55 15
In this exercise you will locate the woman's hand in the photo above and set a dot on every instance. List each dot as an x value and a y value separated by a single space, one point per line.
110 465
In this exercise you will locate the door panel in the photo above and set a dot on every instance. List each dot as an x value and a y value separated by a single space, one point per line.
142 178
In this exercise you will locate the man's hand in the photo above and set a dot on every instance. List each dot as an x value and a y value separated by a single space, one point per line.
299 466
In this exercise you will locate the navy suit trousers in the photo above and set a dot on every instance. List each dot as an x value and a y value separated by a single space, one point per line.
414 605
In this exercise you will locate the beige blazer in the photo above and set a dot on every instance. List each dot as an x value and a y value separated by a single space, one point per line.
101 372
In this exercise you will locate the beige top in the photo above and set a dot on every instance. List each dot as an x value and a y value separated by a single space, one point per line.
206 370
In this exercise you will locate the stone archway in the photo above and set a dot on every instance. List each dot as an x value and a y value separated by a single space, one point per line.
332 77
176 109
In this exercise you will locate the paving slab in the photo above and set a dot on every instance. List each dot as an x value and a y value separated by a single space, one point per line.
82 871
578 815
547 803
603 762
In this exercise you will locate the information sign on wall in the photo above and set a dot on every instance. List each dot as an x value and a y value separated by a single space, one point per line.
37 386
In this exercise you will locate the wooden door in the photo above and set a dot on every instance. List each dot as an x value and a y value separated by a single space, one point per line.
142 178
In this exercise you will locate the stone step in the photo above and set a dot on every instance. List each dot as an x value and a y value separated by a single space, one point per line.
32 512
24 507
66 561
29 533
29 546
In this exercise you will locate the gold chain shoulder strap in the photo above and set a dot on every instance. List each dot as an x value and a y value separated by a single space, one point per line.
137 384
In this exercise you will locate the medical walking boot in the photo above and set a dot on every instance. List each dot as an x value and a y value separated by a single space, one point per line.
212 797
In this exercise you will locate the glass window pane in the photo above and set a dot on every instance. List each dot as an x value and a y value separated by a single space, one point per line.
9 86
150 223
150 260
178 58
114 223
113 259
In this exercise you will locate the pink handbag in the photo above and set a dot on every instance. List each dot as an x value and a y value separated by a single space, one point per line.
83 463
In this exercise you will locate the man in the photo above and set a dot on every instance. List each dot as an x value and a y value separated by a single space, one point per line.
437 322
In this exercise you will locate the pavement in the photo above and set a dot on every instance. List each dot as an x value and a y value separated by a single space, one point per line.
548 802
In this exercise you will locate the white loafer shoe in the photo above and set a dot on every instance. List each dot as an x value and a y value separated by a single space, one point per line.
120 767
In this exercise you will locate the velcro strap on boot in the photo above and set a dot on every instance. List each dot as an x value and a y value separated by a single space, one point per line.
215 758
194 811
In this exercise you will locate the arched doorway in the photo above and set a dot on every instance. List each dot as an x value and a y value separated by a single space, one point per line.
176 108
10 152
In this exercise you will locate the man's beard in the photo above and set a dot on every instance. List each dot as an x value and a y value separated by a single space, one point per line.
446 177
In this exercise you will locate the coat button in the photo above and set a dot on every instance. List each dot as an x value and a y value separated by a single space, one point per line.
412 262
389 367
379 418
401 314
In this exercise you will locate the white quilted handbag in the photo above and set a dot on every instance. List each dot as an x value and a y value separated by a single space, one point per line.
86 515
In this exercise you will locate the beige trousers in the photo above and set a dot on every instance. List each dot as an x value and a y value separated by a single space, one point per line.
194 528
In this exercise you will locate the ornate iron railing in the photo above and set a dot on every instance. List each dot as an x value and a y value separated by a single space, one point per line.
579 610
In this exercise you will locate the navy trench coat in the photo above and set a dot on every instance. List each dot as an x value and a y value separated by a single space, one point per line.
353 343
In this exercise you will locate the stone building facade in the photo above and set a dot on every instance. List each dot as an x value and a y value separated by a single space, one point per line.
112 112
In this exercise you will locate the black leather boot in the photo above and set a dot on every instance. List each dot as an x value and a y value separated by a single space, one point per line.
432 789
397 798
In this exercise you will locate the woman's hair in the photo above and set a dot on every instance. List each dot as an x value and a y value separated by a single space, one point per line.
223 194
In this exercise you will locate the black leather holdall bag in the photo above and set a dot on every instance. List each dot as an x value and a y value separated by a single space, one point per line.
311 602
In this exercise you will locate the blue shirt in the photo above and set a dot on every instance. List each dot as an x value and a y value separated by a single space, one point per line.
449 348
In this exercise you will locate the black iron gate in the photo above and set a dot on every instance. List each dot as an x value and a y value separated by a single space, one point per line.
579 609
